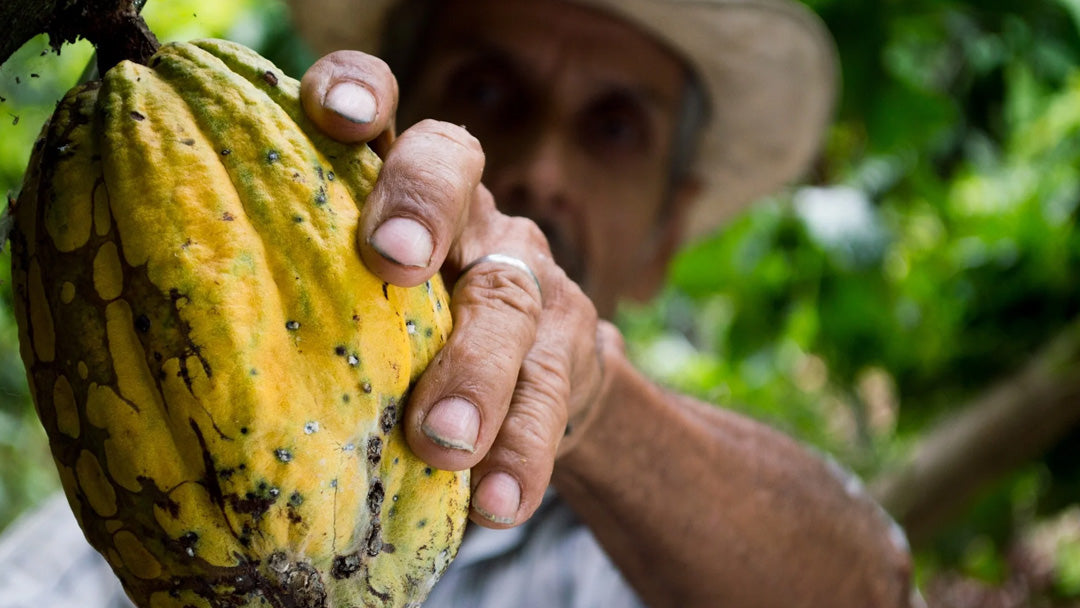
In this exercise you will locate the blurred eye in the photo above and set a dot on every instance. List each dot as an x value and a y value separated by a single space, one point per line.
617 125
482 90
482 94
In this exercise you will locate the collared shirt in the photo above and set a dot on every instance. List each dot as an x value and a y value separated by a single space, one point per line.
550 561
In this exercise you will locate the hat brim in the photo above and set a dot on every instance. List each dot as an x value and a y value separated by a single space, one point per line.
769 69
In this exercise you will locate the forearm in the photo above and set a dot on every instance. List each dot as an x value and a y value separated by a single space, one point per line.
701 507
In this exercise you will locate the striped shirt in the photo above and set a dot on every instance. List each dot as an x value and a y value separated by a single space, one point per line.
550 561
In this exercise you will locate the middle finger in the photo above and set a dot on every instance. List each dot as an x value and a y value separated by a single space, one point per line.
458 405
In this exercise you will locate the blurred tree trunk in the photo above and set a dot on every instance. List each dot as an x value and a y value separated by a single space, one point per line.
1013 422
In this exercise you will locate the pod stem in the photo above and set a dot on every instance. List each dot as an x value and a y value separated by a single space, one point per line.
114 27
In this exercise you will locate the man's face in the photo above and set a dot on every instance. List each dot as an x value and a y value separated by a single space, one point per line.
576 112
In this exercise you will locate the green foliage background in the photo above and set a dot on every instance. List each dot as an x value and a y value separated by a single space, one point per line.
934 250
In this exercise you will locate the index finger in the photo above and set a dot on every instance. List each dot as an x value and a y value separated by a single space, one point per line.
351 96
421 201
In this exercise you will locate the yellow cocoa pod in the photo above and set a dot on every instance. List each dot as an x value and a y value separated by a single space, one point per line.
221 379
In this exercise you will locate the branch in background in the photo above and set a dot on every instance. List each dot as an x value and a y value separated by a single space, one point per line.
1013 422
27 18
113 26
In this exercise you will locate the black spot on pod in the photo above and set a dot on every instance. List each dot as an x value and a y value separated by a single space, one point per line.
374 539
296 580
345 566
226 152
137 115
273 156
188 141
296 499
270 78
255 502
283 454
142 324
375 497
320 196
340 350
374 449
385 293
187 541
389 417
366 387
330 175
292 325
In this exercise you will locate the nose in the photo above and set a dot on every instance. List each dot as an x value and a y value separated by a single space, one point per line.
538 181
532 181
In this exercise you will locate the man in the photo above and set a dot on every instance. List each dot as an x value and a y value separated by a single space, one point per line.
620 129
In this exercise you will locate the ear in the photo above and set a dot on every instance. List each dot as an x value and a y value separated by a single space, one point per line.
670 229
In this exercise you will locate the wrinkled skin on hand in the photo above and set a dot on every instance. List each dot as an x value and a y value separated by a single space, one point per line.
524 361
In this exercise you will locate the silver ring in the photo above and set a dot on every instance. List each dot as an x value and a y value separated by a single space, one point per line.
509 260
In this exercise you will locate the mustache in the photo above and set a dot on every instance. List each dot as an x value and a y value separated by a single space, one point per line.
565 248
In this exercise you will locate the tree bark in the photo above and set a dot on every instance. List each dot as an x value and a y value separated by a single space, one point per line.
1013 422
113 26
27 18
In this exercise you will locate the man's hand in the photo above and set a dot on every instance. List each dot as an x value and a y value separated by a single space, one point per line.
524 359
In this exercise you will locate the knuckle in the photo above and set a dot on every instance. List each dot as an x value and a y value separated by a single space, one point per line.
420 184
568 302
526 230
431 167
465 143
545 381
533 440
535 429
435 182
496 286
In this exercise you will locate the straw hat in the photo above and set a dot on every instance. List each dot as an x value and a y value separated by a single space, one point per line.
769 68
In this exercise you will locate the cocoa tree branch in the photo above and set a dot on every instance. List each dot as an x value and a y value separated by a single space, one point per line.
26 19
1013 422
113 26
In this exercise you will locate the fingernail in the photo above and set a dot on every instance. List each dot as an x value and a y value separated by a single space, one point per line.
351 101
453 423
403 241
497 497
